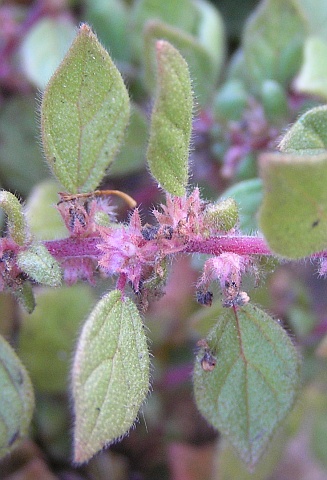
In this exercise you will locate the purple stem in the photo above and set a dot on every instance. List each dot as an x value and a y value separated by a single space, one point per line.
87 247
242 245
74 247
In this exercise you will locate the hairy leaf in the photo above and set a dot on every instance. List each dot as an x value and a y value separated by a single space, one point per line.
195 28
195 55
25 296
171 121
40 265
110 375
16 399
308 136
293 215
85 110
254 383
16 221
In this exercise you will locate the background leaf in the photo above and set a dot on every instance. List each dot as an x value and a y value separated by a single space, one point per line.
85 110
272 41
248 195
313 74
131 157
16 399
109 18
44 220
253 386
44 47
315 18
110 375
21 162
47 336
171 121
176 13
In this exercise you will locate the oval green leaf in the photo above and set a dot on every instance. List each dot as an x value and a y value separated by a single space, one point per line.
16 399
110 375
85 110
254 383
171 121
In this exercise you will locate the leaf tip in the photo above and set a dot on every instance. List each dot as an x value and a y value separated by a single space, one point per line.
86 29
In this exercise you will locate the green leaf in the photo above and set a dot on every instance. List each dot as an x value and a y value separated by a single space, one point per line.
109 18
308 136
16 399
230 101
293 213
230 466
25 296
312 78
110 375
272 42
254 383
315 18
131 157
274 101
248 195
180 14
40 265
203 69
15 218
319 429
21 160
210 32
221 215
44 47
204 319
44 220
47 336
171 121
85 110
